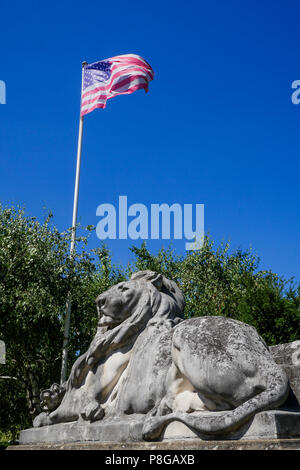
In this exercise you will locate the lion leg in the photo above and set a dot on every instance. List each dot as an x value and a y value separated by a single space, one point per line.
67 411
181 394
41 420
181 398
243 386
60 415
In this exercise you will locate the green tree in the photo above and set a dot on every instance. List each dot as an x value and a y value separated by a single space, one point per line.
165 262
36 274
218 281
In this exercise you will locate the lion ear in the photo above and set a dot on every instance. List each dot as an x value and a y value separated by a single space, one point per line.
156 279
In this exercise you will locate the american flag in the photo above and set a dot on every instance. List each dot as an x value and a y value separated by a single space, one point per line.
107 78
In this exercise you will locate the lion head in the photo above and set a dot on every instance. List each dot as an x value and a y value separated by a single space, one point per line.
147 296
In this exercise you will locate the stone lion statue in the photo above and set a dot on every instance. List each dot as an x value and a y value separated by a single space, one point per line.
145 359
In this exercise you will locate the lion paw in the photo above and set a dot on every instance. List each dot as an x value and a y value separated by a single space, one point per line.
42 419
161 409
93 412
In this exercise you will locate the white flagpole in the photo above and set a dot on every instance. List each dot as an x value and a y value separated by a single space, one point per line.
72 244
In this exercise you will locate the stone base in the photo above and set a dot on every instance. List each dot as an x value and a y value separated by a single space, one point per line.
267 425
168 446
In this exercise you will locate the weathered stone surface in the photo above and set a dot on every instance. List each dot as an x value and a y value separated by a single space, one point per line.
227 366
287 355
110 430
186 445
148 372
265 425
169 446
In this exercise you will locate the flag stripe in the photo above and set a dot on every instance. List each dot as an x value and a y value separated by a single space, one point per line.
112 77
102 103
133 58
118 84
123 84
88 104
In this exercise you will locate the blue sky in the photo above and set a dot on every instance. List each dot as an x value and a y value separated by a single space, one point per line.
217 127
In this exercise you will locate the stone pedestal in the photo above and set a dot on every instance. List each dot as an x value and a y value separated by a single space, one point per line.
287 355
267 425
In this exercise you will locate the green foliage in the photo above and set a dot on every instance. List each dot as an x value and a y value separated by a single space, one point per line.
216 281
36 274
6 439
165 262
